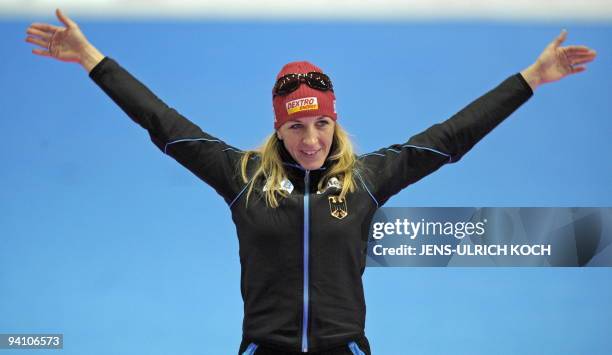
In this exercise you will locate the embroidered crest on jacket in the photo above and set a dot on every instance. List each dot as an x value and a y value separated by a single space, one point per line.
337 207
333 182
285 184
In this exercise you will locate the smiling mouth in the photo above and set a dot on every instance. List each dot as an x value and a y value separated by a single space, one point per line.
310 153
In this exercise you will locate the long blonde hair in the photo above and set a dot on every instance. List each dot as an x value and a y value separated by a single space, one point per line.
272 170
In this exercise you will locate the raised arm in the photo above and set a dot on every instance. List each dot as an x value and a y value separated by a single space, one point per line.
391 169
207 157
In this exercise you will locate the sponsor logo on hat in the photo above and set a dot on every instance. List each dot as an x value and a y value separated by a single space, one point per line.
303 104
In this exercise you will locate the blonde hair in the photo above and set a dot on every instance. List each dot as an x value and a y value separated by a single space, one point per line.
271 167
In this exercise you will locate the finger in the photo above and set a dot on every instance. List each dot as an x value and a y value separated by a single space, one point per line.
41 52
578 69
577 48
582 61
39 33
580 52
45 27
581 56
560 38
38 41
65 19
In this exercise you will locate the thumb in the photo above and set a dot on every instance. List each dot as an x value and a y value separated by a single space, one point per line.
65 19
560 38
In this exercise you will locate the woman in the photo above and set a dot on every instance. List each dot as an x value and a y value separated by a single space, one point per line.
302 204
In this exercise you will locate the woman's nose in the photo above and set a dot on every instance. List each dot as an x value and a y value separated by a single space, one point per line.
310 137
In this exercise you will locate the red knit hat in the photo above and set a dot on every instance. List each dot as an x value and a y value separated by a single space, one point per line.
305 101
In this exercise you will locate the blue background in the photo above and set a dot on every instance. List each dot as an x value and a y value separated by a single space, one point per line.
113 244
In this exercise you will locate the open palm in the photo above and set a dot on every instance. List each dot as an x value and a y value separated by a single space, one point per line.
64 43
557 62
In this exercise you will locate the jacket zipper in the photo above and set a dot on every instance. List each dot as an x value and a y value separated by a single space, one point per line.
306 243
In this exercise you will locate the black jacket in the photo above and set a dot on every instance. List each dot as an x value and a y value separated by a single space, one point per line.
301 267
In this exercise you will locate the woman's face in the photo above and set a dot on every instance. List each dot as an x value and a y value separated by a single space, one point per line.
308 139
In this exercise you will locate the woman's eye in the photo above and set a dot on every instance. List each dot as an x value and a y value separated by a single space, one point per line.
295 126
322 123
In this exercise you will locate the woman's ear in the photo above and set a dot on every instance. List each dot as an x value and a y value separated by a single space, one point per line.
279 136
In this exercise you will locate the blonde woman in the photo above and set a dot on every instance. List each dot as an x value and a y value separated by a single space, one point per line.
302 204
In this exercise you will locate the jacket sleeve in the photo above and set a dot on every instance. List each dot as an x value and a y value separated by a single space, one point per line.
207 157
387 171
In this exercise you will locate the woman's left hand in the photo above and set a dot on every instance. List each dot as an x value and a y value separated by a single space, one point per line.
557 62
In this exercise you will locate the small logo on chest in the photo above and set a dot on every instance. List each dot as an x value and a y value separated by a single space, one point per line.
334 183
337 207
285 184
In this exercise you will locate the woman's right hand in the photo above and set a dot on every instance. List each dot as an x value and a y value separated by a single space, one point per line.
67 44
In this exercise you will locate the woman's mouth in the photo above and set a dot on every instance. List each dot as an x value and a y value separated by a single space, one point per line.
310 153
